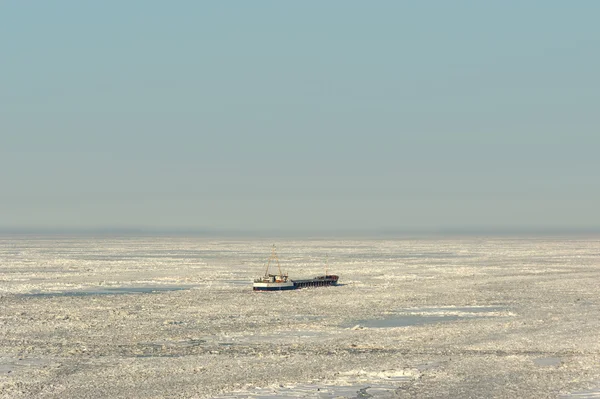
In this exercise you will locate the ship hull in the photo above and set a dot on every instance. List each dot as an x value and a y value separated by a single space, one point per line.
320 281
274 286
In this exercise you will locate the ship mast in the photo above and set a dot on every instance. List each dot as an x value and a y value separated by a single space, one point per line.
273 256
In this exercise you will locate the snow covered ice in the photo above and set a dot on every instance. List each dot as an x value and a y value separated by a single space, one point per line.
154 317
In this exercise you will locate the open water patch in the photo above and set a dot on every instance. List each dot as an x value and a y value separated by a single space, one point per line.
15 366
547 361
240 282
109 291
315 391
429 315
587 394
349 385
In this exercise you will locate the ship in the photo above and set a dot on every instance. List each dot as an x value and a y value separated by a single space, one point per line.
281 281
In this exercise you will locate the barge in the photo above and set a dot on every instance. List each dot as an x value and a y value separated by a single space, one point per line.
281 281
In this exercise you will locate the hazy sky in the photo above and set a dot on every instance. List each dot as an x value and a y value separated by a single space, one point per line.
306 115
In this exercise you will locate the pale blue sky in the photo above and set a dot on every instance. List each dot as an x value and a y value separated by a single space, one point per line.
300 116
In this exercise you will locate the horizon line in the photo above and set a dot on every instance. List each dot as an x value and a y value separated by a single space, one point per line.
302 233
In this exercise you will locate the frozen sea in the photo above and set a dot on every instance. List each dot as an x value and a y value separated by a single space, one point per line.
176 317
